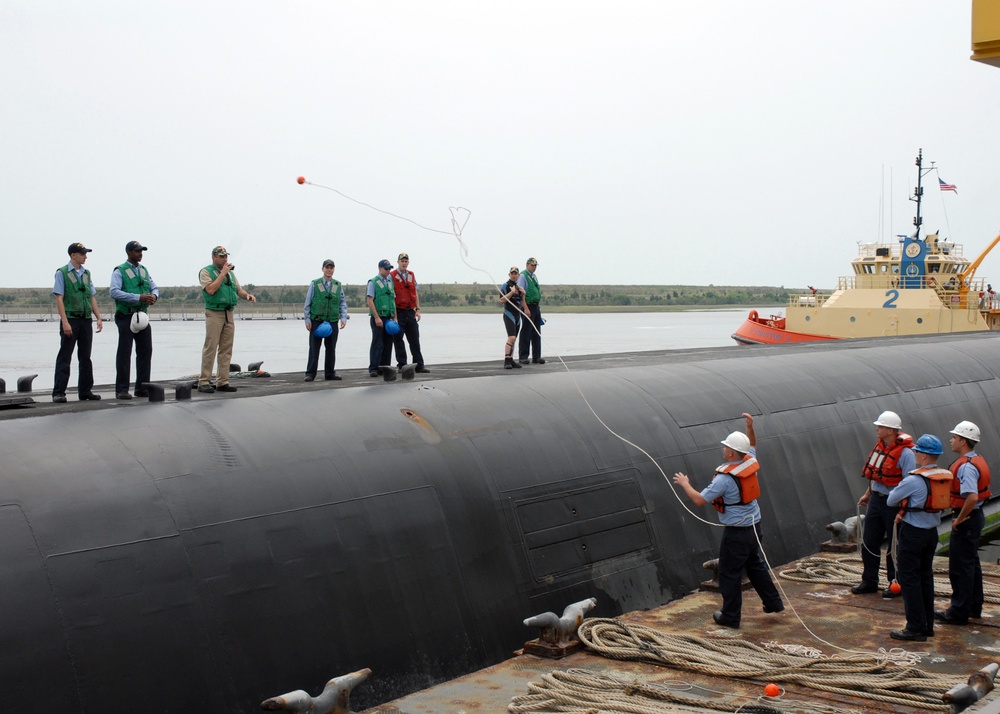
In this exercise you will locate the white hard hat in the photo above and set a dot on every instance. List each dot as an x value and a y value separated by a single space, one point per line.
139 322
737 441
967 430
889 419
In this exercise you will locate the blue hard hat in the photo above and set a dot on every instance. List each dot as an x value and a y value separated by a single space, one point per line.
392 327
324 329
929 444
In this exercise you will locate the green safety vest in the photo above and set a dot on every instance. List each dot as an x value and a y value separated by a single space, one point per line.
325 303
76 293
532 293
137 284
385 296
225 297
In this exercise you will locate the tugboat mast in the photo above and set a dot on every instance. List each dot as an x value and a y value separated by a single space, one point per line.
918 192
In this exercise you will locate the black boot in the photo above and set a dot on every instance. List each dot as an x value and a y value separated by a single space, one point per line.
508 363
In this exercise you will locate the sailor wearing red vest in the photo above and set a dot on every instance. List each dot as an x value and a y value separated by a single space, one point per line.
734 491
918 539
970 488
889 460
407 313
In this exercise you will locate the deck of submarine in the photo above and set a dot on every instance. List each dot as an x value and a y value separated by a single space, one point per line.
38 402
17 405
844 620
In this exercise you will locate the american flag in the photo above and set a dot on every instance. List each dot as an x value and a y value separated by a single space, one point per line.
947 186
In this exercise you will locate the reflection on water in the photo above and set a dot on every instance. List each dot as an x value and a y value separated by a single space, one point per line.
30 347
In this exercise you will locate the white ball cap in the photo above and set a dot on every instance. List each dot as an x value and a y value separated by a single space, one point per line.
967 430
889 419
139 322
737 441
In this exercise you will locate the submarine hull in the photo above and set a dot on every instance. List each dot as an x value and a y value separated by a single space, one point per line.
207 555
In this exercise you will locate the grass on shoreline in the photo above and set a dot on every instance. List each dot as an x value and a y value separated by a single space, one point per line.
451 298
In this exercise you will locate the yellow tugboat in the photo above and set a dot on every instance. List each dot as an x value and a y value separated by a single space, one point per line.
913 286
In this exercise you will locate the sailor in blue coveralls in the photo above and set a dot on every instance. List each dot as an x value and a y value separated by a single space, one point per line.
740 549
970 489
918 539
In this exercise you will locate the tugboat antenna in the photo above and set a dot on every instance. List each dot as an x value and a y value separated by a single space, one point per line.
918 192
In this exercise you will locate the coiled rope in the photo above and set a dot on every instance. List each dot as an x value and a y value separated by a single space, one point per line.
582 691
839 572
868 676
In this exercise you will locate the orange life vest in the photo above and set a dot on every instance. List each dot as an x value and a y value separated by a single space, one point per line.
406 289
983 486
883 462
938 481
744 474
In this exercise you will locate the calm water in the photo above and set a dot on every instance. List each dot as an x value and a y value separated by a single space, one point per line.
30 347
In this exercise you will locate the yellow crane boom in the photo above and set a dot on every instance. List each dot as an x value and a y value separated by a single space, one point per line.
966 276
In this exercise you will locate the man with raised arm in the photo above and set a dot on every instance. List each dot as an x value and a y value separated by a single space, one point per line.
733 492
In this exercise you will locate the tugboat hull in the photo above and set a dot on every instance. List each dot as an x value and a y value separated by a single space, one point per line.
758 330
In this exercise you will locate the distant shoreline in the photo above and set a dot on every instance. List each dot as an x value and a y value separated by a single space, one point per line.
286 301
294 312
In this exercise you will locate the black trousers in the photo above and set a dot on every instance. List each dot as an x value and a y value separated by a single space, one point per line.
531 336
915 574
740 551
878 527
123 360
329 343
380 352
964 569
409 328
80 338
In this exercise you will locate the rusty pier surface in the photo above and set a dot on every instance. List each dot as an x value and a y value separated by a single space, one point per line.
853 622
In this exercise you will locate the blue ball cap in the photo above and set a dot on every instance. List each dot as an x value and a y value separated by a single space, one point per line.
392 327
324 329
385 264
929 444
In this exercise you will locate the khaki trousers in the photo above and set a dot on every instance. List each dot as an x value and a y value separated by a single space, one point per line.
219 333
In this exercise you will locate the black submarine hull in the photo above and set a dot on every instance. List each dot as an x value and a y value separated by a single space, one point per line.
204 556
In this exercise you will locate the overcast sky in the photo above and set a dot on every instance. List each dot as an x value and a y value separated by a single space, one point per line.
662 142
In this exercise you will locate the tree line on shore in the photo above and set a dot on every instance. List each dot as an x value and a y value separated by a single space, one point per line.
472 295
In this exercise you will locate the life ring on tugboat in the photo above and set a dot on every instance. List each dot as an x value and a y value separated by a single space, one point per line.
752 316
